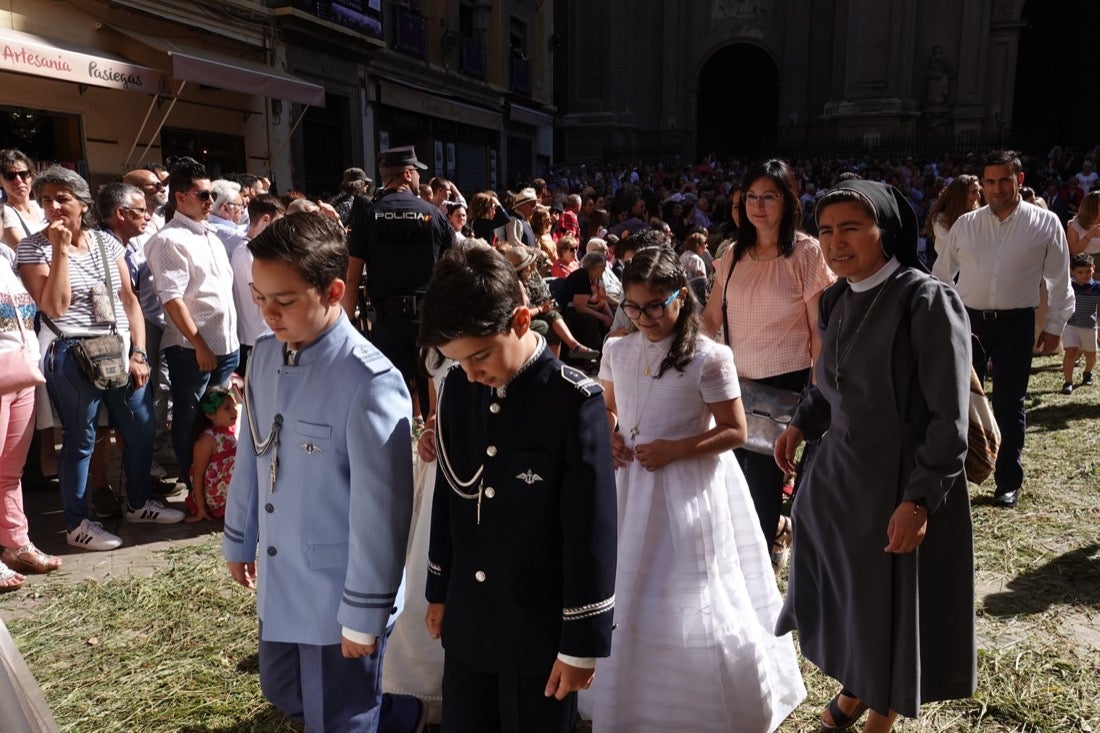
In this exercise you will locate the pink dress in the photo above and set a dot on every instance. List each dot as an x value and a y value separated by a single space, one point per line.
218 472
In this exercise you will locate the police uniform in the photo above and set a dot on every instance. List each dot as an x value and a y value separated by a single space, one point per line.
522 548
399 237
328 503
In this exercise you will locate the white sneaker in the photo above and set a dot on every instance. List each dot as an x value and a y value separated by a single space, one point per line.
153 512
89 535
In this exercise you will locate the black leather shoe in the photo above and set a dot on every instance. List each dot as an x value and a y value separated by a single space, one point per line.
1007 499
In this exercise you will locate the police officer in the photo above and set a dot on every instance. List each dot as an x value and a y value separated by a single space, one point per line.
399 238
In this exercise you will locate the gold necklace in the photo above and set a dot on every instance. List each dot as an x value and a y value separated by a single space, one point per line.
646 372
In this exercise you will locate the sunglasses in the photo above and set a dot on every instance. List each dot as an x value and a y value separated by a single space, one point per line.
12 175
201 195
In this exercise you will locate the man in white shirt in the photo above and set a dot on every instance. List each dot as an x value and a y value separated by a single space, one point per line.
194 282
225 217
262 210
1001 253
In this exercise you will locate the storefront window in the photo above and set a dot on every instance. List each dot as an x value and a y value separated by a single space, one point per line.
221 154
46 137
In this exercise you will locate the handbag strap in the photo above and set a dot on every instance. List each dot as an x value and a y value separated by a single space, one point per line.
110 287
725 289
26 228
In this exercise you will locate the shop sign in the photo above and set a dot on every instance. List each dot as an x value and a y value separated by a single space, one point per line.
28 54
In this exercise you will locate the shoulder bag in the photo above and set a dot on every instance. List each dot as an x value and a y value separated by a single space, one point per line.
19 368
101 359
768 409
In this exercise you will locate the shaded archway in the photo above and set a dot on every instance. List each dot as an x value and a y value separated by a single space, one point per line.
1055 99
737 103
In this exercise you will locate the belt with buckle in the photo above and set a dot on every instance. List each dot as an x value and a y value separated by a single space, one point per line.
998 315
401 305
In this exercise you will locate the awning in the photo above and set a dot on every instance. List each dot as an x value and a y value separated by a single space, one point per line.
29 54
396 95
530 116
236 75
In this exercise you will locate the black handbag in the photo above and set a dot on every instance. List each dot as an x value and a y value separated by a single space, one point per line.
102 359
768 409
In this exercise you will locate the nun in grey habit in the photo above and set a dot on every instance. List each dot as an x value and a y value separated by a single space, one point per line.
881 586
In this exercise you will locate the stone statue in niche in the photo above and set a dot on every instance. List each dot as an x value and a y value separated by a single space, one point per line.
750 16
1004 11
940 74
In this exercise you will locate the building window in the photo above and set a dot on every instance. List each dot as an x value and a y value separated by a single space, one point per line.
520 64
410 31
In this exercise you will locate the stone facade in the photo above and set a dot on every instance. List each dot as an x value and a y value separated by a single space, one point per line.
642 83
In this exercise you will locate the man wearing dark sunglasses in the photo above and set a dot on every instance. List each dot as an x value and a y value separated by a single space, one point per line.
194 281
156 194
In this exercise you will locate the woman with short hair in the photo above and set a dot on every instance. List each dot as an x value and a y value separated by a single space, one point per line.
78 277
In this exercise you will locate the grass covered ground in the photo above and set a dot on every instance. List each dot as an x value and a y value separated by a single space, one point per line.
177 651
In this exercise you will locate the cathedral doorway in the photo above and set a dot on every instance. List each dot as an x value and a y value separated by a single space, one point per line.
737 104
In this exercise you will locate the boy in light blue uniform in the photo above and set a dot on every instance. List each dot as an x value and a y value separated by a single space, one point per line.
323 488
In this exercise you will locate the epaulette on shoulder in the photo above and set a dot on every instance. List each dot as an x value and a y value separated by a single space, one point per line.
372 359
583 383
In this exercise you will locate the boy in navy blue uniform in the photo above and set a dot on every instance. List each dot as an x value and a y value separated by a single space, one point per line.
521 560
323 486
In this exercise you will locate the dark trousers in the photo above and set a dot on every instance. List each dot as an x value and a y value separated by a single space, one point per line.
586 327
395 336
481 702
764 478
319 687
1008 343
188 386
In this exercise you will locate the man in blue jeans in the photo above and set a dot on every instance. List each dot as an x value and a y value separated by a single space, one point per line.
194 281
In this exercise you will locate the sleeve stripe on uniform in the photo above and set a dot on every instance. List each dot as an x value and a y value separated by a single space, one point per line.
592 609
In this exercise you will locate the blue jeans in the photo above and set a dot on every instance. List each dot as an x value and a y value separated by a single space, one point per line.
77 403
188 387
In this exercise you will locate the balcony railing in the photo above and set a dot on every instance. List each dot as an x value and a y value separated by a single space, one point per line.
471 61
521 75
410 33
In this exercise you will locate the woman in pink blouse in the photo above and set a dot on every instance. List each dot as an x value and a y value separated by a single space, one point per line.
771 278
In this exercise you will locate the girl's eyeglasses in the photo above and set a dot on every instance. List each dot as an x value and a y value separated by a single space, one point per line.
655 311
12 175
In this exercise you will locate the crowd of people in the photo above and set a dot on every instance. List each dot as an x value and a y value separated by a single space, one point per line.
574 361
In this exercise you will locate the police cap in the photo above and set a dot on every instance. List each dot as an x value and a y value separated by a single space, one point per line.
400 158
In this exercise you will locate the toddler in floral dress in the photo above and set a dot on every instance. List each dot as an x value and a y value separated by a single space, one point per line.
213 452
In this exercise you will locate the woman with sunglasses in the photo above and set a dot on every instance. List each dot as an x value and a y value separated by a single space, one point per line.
22 214
79 279
768 283
566 263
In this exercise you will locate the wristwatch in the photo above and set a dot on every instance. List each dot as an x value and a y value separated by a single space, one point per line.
140 352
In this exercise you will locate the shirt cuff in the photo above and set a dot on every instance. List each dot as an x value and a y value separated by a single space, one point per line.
581 662
358 637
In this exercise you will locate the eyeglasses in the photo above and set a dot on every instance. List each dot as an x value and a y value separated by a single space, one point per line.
201 195
570 249
156 184
140 210
234 206
655 311
12 175
768 199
